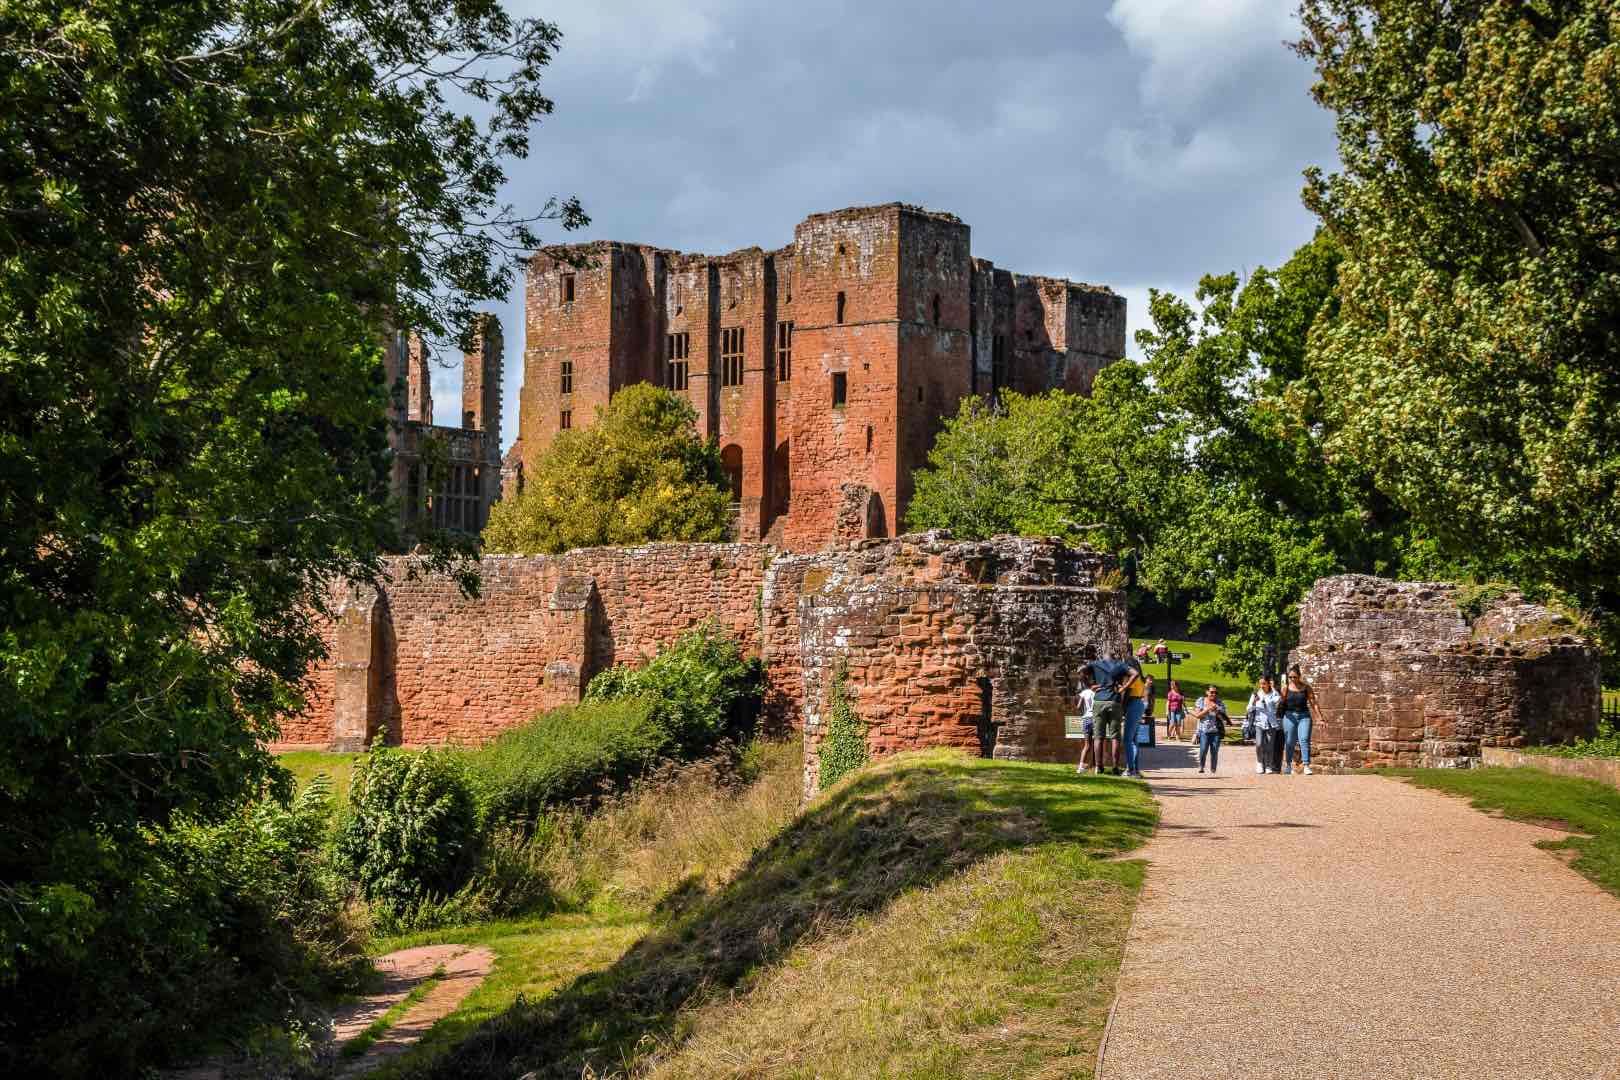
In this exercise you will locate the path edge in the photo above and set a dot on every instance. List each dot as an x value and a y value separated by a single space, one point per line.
1124 949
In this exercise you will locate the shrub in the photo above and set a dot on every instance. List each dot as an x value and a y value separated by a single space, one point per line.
209 926
565 755
703 689
843 748
1604 744
412 830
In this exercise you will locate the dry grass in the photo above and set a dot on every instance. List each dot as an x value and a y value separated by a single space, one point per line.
935 915
677 835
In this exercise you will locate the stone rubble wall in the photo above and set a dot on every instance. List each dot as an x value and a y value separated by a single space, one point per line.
977 645
945 643
1404 677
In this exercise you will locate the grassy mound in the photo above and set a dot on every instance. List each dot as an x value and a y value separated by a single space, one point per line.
935 914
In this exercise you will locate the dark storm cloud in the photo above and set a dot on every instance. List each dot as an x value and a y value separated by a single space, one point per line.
1136 144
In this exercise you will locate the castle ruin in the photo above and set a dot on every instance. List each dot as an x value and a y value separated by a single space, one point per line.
823 369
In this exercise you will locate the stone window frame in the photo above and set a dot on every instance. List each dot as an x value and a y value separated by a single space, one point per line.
784 351
565 420
731 356
677 348
567 376
840 389
567 289
842 303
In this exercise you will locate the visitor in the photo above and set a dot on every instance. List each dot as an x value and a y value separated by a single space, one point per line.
1142 652
1088 732
1298 710
1134 687
1262 713
1210 716
1160 651
1175 712
1107 712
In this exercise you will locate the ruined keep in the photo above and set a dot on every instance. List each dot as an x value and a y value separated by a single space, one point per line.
945 643
823 365
469 451
1426 673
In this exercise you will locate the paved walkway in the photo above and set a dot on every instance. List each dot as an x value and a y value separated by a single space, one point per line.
464 967
1357 927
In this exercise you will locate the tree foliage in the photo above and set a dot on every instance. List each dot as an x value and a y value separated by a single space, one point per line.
1203 465
641 472
210 214
1472 369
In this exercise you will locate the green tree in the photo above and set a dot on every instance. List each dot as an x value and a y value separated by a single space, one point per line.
641 472
1472 368
210 215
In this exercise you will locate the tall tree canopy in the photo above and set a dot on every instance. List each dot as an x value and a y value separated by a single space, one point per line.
1204 464
1473 369
210 213
641 472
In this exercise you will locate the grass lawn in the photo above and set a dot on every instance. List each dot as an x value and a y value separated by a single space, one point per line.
1532 795
1196 673
306 764
934 915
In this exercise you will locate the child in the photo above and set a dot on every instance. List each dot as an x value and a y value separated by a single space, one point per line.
1088 733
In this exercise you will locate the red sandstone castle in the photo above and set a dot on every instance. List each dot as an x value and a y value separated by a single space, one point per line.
823 369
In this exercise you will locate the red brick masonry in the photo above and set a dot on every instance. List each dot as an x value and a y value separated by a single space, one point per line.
973 644
1405 677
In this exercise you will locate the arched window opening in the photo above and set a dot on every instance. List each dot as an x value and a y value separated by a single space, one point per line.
731 460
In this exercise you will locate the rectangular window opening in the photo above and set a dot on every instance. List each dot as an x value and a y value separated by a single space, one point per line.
731 356
784 352
998 363
840 389
568 376
676 350
566 420
568 288
840 308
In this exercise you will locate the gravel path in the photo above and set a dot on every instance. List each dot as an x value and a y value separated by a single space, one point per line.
1357 927
464 967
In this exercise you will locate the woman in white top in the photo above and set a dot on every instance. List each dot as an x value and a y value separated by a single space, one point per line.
1262 712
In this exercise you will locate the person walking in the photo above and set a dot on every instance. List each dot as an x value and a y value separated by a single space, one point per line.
1298 711
1088 732
1262 713
1149 717
1210 725
1175 712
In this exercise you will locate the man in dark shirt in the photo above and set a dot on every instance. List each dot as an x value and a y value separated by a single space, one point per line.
1108 708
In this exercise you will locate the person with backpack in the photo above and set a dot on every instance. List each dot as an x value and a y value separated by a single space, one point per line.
1262 713
1210 717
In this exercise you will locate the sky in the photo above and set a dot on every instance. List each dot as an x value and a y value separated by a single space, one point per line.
1133 143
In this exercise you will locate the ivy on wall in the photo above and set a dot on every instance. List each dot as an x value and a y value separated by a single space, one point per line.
843 748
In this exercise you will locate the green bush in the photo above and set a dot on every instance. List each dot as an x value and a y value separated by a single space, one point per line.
565 755
412 831
843 748
207 927
704 690
1605 744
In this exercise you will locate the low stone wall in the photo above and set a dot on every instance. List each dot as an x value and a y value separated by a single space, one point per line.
1603 770
943 643
1405 677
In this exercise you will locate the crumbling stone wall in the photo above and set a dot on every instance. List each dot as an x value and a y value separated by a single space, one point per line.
1405 676
420 663
977 645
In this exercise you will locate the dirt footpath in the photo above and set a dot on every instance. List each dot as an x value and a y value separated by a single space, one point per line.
1357 927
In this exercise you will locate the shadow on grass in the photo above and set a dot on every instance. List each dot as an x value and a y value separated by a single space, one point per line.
904 825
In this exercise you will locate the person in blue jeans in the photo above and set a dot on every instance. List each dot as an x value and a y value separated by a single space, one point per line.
1134 687
1109 678
1210 727
1298 710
